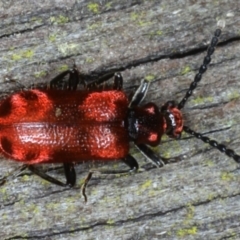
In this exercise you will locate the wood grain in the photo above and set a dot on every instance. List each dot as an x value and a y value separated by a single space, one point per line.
197 197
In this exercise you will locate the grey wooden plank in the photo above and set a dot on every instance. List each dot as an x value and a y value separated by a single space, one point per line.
195 198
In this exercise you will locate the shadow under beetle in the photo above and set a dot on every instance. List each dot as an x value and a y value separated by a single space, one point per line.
72 126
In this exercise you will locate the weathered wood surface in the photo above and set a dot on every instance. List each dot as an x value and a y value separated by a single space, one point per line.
195 198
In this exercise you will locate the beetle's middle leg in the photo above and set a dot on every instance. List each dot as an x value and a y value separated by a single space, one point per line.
72 82
128 160
69 173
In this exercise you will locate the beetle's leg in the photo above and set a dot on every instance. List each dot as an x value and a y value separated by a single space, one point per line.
150 155
45 176
118 81
140 94
104 78
58 78
14 173
73 80
129 160
69 172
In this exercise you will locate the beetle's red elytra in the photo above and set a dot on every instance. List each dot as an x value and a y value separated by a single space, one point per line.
60 126
70 126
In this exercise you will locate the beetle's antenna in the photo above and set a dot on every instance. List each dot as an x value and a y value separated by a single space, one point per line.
222 148
202 68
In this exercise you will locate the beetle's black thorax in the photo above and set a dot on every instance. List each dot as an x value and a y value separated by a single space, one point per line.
145 124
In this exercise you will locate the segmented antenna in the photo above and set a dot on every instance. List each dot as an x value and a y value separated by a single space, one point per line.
202 69
222 148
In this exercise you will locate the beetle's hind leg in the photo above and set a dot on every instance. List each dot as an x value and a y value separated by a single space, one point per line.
140 94
69 173
128 160
14 173
68 168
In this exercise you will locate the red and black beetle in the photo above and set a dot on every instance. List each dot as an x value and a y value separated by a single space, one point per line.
71 126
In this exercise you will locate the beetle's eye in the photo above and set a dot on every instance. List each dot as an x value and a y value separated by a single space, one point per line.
173 117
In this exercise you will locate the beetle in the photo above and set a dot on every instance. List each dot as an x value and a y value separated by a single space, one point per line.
70 126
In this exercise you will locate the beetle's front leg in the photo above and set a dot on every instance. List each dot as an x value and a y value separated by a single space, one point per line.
140 94
150 155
